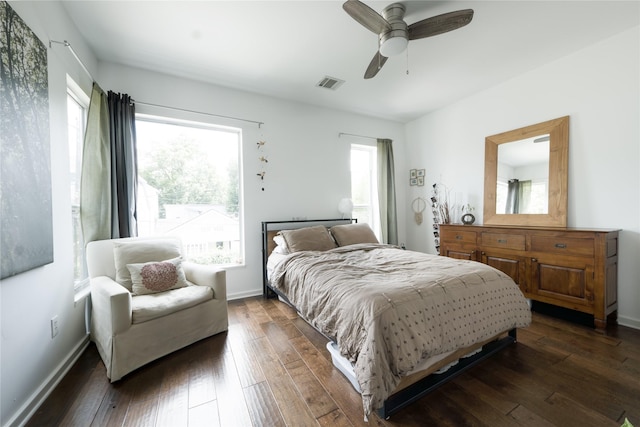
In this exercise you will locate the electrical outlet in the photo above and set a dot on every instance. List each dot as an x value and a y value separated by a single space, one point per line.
54 326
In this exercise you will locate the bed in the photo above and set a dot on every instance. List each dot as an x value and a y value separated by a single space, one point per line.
399 323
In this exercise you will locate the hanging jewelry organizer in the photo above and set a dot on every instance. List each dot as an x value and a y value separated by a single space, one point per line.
440 209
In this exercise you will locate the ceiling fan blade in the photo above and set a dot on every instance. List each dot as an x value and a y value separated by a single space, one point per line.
366 16
440 24
375 65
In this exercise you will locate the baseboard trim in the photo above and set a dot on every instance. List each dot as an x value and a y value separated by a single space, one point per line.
629 322
32 404
245 294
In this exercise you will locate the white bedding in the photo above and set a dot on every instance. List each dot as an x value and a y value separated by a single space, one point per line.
274 259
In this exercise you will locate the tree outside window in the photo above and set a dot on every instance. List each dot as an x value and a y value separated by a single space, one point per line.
188 186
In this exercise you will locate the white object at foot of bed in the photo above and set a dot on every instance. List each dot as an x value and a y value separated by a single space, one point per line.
347 370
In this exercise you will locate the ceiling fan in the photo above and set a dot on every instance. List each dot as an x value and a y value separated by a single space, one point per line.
394 34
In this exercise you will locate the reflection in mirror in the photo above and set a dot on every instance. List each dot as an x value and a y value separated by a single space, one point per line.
522 186
523 176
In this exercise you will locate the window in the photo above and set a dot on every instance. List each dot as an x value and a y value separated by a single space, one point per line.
77 104
188 187
364 186
502 190
537 201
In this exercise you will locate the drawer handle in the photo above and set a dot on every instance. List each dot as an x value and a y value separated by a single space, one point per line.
561 246
458 237
502 240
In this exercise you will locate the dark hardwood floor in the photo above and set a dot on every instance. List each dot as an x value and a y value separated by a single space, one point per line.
272 369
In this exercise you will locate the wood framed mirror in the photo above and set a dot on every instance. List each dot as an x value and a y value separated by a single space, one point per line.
525 175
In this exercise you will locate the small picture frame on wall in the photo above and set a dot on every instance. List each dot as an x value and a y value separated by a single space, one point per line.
420 173
413 173
413 181
420 181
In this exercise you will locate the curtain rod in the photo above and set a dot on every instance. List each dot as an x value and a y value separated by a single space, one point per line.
75 55
200 112
86 70
357 136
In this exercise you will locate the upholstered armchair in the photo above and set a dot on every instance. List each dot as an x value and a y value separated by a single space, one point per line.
147 302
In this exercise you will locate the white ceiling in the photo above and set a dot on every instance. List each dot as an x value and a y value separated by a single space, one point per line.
284 48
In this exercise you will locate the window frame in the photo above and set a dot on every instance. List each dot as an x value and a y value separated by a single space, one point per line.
81 99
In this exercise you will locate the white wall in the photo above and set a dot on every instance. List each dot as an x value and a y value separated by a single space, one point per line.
308 171
30 360
599 88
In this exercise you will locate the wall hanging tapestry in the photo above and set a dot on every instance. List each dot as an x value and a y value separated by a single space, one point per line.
26 228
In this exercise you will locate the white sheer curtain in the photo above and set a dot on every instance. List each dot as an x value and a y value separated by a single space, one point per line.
95 184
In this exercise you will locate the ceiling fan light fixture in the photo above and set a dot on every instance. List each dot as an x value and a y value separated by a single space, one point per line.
393 46
543 138
394 33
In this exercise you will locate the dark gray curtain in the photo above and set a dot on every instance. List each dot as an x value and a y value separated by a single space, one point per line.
512 196
518 196
387 192
124 165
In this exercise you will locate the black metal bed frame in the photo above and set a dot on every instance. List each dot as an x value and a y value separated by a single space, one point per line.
419 389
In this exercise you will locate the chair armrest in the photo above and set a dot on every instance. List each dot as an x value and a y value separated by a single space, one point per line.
207 275
111 304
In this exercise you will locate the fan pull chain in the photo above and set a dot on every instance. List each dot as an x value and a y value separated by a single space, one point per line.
407 60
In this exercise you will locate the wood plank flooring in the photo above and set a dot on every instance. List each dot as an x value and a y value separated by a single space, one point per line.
272 369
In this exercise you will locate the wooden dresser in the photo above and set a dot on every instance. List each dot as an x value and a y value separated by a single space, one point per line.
567 267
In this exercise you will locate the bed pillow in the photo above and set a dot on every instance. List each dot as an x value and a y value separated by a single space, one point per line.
351 234
281 245
138 252
153 277
315 238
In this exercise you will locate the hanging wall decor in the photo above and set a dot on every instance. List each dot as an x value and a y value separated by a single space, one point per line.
26 227
413 177
416 177
263 161
418 206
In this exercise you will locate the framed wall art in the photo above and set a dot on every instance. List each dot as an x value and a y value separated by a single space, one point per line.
26 227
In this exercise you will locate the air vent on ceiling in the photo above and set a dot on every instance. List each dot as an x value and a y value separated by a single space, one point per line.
330 83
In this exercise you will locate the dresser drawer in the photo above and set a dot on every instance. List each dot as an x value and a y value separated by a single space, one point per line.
503 240
457 236
562 245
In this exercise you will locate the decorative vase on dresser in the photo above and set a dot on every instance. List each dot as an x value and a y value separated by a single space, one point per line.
567 267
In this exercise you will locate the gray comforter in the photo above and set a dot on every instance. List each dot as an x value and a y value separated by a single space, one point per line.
389 309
